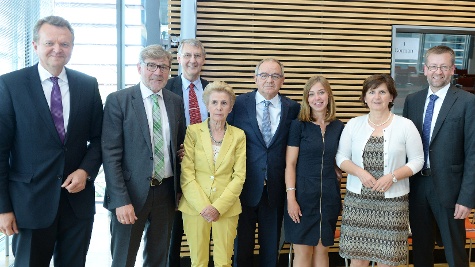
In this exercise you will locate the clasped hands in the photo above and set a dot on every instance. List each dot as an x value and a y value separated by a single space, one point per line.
381 185
210 213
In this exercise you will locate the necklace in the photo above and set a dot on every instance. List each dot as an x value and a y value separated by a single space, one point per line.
381 124
212 138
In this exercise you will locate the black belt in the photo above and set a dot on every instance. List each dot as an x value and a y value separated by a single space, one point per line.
426 172
156 182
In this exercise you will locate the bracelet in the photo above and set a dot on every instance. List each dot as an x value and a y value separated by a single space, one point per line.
290 189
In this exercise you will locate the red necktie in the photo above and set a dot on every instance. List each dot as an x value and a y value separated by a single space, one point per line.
195 115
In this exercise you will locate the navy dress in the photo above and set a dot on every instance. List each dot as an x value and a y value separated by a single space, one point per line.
318 190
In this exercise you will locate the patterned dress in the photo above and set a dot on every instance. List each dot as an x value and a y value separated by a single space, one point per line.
373 227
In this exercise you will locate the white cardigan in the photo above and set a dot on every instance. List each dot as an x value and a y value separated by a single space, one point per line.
401 140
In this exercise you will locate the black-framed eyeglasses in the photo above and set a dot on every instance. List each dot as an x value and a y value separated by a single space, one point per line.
274 76
153 67
435 68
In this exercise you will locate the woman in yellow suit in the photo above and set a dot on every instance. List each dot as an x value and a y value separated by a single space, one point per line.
213 171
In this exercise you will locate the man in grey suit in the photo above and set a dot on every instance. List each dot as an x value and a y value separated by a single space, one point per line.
143 126
191 57
50 152
443 193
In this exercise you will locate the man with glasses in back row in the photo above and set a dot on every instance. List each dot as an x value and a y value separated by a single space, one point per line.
143 127
189 85
265 116
442 194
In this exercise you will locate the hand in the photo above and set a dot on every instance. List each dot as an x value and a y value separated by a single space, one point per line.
367 179
8 223
181 152
178 197
76 181
294 211
126 214
210 213
383 183
461 212
339 173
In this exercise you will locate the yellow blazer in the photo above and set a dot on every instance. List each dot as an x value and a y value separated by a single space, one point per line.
202 181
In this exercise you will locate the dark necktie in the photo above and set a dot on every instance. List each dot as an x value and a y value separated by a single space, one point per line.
195 115
426 127
56 107
266 126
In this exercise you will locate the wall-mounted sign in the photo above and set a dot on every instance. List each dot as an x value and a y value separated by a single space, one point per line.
406 48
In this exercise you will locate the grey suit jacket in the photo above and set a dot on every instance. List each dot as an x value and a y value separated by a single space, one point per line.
175 85
127 148
452 146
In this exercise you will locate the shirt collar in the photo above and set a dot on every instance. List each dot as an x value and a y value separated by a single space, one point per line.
441 93
147 92
275 101
186 83
45 75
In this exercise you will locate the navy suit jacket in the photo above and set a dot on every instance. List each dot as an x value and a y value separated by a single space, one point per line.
452 146
260 158
127 146
33 161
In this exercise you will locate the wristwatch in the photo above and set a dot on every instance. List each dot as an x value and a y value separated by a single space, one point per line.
394 178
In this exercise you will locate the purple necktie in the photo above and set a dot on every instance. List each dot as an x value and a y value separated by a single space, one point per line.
57 108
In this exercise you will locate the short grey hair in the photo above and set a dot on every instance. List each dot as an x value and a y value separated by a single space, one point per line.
155 52
271 59
218 86
52 20
192 42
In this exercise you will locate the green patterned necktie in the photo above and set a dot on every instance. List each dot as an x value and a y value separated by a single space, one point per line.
158 157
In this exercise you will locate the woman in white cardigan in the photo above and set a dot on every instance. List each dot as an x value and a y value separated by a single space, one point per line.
379 152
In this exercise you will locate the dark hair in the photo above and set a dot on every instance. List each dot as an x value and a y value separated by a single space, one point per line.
52 20
375 81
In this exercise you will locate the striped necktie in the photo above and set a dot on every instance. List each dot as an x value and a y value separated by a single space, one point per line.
158 156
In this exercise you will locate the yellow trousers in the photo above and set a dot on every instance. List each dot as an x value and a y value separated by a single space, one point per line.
198 230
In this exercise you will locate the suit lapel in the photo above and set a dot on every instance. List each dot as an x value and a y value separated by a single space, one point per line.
449 101
225 146
418 114
170 107
205 141
283 116
139 108
38 99
75 93
251 111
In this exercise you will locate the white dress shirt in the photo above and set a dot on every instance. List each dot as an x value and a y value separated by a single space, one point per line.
275 109
147 102
47 85
437 105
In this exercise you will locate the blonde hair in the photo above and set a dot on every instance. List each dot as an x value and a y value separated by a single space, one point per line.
305 110
218 86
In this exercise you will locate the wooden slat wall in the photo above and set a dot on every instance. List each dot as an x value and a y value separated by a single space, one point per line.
346 41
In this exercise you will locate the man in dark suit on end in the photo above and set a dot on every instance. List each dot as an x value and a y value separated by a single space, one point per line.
143 126
189 85
50 152
443 193
265 117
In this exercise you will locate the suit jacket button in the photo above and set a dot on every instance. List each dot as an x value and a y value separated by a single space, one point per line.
151 158
211 177
59 177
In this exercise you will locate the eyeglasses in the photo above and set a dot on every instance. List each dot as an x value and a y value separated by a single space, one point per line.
274 76
188 56
435 68
153 67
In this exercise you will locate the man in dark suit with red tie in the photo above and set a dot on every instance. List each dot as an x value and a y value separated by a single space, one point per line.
189 85
50 153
